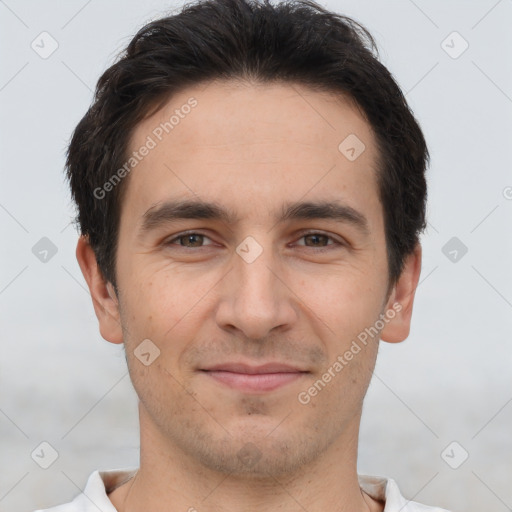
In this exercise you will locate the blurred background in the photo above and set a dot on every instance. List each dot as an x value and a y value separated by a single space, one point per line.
438 413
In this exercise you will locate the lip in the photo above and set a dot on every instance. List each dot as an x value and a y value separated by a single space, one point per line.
254 370
248 378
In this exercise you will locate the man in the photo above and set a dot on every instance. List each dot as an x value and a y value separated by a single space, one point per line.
250 189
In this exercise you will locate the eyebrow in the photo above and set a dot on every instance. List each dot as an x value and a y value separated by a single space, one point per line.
169 211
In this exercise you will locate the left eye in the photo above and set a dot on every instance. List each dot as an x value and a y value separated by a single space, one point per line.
317 239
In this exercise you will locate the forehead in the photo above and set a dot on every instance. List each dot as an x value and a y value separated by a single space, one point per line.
274 143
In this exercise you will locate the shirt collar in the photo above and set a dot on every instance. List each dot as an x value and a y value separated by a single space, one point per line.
101 483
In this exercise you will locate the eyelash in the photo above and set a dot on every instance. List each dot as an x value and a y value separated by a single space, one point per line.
303 235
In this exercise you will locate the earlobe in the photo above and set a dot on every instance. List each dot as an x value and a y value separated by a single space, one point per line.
400 302
105 302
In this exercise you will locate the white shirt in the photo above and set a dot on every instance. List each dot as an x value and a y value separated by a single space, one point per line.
95 498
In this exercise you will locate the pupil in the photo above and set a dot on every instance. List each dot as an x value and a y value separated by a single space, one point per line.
190 239
316 238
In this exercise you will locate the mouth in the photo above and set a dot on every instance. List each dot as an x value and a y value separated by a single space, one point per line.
255 379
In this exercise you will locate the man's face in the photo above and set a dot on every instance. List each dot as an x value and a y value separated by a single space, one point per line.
259 289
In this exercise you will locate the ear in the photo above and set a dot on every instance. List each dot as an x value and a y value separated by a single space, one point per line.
105 302
401 299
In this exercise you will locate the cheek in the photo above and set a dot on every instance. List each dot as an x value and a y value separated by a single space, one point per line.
160 297
345 300
166 308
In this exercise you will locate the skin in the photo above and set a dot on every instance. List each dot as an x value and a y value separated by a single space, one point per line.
250 147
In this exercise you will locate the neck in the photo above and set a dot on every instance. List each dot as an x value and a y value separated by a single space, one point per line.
170 480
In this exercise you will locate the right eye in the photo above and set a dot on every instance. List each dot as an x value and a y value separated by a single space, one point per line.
191 237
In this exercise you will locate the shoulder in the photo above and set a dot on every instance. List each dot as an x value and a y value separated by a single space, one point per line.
386 489
94 497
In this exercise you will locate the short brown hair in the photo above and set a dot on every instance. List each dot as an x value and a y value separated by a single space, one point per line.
295 41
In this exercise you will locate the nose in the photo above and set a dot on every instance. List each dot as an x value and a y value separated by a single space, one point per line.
256 297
